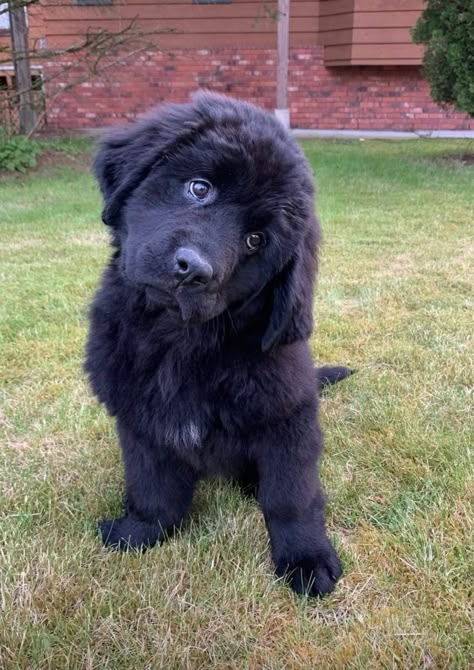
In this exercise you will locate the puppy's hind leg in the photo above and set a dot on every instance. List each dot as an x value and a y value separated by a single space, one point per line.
159 491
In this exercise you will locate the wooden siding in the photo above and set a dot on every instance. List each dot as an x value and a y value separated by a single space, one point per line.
335 29
353 32
36 29
35 33
369 32
184 24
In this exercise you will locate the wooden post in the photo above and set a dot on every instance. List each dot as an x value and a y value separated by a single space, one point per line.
282 111
21 62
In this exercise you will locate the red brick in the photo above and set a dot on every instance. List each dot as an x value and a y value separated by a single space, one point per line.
376 97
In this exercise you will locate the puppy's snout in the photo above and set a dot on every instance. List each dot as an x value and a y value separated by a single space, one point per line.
191 268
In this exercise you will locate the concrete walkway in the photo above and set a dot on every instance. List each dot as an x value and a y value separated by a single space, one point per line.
301 133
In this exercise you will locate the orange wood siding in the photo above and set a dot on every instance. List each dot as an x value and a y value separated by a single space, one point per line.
369 32
336 18
184 24
35 24
35 33
353 32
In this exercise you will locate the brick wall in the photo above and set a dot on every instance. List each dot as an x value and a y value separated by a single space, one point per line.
361 97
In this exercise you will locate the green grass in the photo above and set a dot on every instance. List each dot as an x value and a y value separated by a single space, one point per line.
395 300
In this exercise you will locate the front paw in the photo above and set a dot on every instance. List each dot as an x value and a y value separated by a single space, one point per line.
128 533
311 573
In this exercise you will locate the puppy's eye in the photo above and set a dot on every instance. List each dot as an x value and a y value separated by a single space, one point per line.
254 241
199 188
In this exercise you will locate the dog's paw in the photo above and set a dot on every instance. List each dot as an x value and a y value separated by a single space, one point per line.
127 533
312 574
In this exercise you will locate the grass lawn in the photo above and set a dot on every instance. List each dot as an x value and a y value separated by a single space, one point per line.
395 300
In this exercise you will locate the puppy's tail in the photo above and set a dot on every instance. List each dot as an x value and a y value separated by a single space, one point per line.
331 374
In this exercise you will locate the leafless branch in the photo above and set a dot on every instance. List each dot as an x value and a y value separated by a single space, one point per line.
98 52
99 42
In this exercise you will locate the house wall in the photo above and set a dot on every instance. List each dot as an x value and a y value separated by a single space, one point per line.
369 32
35 27
352 31
335 30
352 97
183 23
352 63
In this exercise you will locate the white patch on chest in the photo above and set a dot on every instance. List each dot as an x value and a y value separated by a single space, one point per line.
187 434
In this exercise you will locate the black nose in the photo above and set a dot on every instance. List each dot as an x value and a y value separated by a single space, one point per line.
190 268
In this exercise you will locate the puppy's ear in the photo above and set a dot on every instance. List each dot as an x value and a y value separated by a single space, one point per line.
291 316
108 166
122 161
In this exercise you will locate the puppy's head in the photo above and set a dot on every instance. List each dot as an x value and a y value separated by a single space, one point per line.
210 204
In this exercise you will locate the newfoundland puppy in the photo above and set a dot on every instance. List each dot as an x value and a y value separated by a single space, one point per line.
198 332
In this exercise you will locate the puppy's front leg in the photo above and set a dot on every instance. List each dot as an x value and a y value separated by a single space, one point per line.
159 491
293 505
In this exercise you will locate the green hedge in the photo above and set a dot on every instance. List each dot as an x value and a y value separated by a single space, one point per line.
446 28
17 153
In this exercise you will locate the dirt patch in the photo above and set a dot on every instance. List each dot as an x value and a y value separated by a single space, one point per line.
89 239
400 266
51 161
348 305
460 159
19 245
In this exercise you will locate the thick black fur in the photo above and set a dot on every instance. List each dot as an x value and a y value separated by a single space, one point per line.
217 378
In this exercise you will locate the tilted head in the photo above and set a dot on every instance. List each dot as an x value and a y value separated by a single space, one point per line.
211 204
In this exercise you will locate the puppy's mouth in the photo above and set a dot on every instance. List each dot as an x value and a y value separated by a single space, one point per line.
196 282
193 303
196 305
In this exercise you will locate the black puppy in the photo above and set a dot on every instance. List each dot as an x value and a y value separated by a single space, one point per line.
198 336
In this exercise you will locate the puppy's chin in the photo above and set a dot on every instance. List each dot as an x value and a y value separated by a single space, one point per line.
198 307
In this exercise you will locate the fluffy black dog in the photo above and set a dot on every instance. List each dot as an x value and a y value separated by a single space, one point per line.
198 336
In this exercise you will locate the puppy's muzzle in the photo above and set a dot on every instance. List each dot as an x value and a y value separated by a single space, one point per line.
191 269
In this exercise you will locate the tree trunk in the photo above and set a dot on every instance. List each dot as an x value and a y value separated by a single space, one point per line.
282 110
21 61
